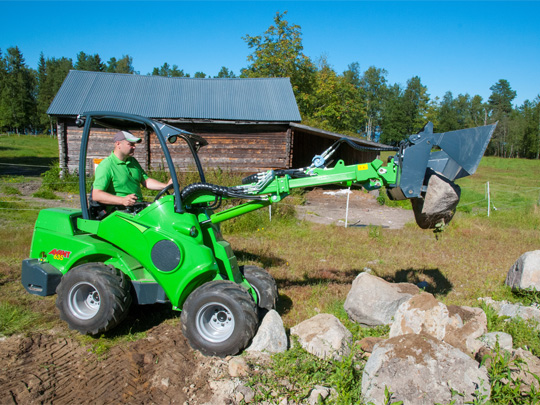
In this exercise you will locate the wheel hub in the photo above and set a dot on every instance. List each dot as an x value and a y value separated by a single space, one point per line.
84 301
215 322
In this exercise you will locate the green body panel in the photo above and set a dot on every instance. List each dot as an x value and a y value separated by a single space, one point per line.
58 241
138 234
126 241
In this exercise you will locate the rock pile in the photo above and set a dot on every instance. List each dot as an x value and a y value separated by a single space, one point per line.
433 351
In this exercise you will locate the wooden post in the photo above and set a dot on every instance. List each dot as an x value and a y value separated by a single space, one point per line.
347 209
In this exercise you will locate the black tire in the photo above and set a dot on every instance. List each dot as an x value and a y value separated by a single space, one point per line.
264 285
219 318
93 298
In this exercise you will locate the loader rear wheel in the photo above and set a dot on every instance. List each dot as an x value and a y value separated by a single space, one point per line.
264 285
219 318
93 298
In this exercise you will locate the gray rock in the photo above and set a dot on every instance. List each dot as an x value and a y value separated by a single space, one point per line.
318 394
458 326
373 301
324 336
504 339
271 336
422 370
528 370
245 394
222 391
238 367
525 272
505 308
439 204
466 325
422 313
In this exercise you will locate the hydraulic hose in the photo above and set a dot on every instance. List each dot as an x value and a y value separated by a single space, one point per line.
191 192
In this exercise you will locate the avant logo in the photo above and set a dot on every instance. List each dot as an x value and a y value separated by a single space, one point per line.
59 254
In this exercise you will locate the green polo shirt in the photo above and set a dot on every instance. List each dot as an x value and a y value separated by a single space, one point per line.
120 178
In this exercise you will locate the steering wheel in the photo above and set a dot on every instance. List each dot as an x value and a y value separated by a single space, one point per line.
164 191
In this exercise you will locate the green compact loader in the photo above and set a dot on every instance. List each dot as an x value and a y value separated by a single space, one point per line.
99 259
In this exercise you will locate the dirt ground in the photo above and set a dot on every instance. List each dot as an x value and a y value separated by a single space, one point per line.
162 368
329 206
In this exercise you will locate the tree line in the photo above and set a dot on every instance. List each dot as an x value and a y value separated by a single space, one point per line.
355 102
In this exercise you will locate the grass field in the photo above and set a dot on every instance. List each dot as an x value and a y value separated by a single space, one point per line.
314 265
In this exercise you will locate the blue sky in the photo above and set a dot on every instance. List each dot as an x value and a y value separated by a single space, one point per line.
460 46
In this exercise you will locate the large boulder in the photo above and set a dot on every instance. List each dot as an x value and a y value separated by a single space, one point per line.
422 370
271 336
421 314
324 336
439 204
525 272
459 326
373 301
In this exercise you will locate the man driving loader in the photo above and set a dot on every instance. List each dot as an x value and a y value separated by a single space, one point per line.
118 178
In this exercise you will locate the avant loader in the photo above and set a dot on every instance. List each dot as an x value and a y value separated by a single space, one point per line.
171 250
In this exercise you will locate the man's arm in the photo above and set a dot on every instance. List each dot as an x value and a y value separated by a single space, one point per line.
153 184
109 199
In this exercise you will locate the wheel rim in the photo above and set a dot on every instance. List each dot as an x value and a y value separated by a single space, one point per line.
215 322
84 300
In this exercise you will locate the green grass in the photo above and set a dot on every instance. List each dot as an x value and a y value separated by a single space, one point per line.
10 190
16 319
514 186
302 371
34 150
505 388
525 333
46 194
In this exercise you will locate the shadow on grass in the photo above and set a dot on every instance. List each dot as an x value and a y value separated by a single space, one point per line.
25 166
435 282
284 304
325 276
142 318
266 261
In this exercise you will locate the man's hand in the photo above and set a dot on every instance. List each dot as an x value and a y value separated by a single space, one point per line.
129 200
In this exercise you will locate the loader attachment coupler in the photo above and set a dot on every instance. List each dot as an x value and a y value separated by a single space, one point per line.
453 155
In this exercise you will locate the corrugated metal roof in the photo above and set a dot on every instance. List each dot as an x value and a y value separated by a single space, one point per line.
264 99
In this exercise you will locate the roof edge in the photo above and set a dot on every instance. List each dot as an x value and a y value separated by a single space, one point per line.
328 134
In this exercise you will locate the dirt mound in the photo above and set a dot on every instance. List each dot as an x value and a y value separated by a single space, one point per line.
329 206
161 368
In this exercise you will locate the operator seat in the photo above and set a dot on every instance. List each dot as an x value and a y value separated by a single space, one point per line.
96 210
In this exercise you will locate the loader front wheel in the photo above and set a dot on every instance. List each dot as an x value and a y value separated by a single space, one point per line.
219 318
264 285
93 298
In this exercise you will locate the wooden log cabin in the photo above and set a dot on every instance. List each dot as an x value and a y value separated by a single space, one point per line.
251 125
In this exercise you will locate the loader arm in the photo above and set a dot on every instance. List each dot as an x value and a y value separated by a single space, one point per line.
452 154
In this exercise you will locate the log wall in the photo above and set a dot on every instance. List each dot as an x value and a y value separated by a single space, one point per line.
241 151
